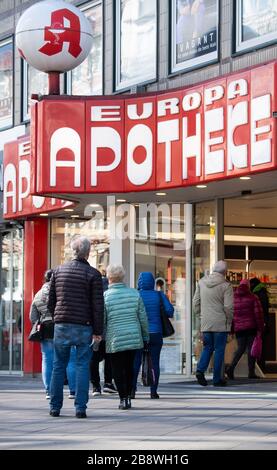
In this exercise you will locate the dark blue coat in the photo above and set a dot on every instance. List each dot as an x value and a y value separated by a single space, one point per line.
151 300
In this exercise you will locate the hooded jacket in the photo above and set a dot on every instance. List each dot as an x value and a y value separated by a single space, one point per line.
39 310
248 312
151 299
213 300
261 292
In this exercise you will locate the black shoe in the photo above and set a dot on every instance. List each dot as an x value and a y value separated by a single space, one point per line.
221 383
54 413
129 403
133 394
96 392
154 395
109 388
81 414
201 378
230 373
123 405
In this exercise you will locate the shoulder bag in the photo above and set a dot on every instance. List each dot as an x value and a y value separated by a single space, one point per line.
36 333
167 327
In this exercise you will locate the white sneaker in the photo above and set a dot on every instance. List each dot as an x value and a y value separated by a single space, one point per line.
71 396
96 392
47 396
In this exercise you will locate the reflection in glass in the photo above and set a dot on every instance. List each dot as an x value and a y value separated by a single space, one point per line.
87 78
138 29
164 256
6 84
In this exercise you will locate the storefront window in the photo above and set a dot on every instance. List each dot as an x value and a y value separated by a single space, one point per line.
6 83
136 42
204 256
97 230
194 33
87 79
162 252
256 23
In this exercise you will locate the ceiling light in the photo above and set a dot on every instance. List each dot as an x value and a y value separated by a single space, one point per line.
201 186
121 200
43 214
74 216
68 210
245 177
253 225
161 194
94 205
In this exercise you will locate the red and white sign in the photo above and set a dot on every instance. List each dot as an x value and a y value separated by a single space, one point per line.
54 36
213 131
18 201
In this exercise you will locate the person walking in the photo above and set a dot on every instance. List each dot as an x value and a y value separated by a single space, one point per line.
39 311
152 302
213 300
259 289
247 323
77 304
126 329
99 355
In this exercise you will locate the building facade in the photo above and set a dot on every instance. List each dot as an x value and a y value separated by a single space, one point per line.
200 137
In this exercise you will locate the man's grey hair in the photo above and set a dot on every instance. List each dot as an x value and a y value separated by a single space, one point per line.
80 247
115 273
220 267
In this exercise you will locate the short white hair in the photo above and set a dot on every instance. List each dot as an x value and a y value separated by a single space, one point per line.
80 247
220 267
115 272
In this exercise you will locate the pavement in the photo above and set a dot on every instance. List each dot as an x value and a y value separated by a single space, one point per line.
186 417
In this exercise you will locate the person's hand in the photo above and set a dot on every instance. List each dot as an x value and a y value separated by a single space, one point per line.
97 338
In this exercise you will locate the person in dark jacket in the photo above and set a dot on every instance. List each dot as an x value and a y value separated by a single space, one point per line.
259 288
247 323
77 304
39 311
99 354
152 300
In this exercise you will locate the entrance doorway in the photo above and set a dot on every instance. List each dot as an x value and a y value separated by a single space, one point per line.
11 314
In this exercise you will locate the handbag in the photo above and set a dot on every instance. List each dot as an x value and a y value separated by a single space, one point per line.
167 327
256 349
147 370
36 333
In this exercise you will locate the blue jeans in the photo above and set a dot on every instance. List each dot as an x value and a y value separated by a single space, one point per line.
65 336
213 342
47 351
155 346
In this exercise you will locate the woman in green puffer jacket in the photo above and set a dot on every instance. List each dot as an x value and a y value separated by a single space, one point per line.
126 328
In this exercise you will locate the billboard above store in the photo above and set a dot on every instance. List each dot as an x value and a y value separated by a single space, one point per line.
216 130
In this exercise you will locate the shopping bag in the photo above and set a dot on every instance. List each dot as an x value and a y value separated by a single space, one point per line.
147 370
36 333
167 327
256 349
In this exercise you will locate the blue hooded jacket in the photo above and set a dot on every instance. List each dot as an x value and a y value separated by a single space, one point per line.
151 300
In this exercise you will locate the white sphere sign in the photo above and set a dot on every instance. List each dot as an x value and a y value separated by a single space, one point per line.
53 36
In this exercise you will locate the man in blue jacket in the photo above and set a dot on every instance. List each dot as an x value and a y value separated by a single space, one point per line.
152 303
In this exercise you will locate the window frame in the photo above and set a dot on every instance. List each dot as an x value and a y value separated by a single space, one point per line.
190 64
120 86
251 45
4 41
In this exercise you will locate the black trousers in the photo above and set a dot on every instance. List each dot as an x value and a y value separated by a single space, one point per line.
245 340
122 368
97 357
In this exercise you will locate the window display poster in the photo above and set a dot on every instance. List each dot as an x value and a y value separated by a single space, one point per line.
136 42
171 358
257 22
194 33
6 84
87 77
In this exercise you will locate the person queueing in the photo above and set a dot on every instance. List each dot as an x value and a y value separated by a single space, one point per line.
126 329
259 289
99 354
39 311
213 300
152 302
77 303
247 323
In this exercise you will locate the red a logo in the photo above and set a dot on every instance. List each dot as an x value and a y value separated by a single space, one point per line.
56 39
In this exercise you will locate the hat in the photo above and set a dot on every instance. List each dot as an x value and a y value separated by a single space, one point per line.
220 267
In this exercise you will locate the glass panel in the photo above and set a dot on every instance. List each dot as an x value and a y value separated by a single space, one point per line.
162 251
137 33
17 299
6 84
203 260
87 78
5 312
97 230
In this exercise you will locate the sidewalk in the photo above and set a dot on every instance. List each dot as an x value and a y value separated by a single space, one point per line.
186 417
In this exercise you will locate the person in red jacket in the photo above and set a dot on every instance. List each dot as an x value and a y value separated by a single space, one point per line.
248 321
